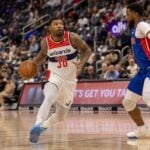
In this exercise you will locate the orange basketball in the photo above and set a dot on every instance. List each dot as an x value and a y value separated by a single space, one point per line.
27 69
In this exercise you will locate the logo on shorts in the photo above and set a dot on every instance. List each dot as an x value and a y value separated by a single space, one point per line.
133 40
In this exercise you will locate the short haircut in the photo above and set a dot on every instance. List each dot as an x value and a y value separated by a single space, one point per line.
53 19
136 7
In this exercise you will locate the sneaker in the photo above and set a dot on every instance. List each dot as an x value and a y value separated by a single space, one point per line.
35 133
142 132
132 142
140 144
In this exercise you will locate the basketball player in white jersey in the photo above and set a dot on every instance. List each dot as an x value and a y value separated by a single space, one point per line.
61 48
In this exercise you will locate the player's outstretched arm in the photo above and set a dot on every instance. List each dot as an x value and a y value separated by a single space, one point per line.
42 54
84 49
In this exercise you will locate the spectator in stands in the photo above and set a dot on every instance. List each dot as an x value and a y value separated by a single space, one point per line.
2 47
5 70
122 71
124 39
118 11
112 73
102 34
104 68
2 87
124 8
93 3
111 41
33 32
112 57
95 16
147 13
132 68
90 73
34 46
12 50
108 16
88 39
93 59
31 17
2 83
37 17
88 13
7 89
14 35
4 32
83 21
84 72
52 3
2 21
103 47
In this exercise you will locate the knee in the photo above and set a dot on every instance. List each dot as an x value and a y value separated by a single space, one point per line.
146 91
146 97
129 105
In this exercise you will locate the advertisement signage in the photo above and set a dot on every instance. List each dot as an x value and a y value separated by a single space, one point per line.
87 93
116 27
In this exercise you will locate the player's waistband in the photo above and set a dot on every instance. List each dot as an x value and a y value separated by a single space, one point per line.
70 78
69 57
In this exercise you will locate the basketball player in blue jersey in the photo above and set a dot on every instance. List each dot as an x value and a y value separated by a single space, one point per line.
60 47
139 86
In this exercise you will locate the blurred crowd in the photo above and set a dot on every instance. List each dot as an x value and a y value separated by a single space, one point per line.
111 59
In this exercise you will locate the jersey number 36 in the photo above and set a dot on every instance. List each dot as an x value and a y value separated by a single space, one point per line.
62 61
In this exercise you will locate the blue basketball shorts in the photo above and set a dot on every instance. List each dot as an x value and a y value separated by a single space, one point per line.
137 83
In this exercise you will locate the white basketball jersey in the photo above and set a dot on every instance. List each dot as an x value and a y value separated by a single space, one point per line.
60 57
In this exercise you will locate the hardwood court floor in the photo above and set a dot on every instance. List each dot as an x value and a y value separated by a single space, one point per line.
82 131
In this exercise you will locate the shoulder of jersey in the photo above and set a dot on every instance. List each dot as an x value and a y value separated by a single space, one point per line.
64 42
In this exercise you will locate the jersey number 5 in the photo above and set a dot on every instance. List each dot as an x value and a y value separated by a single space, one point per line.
62 61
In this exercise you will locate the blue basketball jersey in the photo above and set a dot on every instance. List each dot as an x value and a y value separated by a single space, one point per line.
141 50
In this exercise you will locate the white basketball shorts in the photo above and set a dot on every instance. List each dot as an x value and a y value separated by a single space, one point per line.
66 89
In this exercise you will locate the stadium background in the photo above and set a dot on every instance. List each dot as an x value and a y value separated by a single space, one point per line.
101 23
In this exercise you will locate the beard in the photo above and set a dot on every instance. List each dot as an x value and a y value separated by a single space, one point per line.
59 33
131 24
